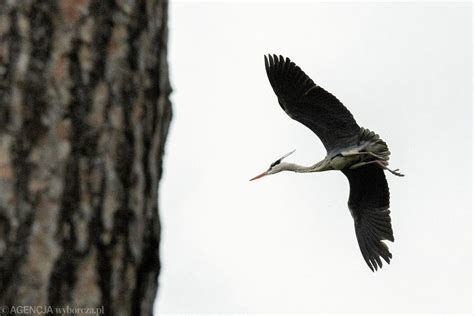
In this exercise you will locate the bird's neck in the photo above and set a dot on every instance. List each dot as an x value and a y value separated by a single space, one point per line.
323 165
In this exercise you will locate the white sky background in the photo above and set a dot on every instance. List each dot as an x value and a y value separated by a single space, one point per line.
286 243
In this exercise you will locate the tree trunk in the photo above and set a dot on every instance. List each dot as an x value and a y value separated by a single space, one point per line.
84 114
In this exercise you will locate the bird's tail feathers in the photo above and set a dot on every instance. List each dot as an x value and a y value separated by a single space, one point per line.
373 143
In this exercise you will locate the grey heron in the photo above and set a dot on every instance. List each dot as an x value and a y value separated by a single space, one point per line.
359 153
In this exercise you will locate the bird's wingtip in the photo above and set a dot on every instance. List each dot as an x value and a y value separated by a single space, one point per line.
276 58
268 58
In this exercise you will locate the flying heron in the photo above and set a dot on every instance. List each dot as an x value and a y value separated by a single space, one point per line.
356 151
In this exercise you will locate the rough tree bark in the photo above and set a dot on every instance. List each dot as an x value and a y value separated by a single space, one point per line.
84 114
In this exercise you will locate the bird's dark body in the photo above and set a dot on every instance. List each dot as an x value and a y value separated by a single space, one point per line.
358 152
368 142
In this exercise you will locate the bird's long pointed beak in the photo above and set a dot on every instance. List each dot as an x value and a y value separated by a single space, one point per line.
263 174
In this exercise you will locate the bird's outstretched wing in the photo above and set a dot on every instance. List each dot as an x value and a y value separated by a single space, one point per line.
369 202
311 105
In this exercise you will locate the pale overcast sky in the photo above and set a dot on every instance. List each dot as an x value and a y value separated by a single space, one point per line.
286 243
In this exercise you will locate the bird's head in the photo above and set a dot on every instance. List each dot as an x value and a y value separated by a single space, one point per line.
275 167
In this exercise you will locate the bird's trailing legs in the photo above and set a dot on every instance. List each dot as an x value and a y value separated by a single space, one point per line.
382 163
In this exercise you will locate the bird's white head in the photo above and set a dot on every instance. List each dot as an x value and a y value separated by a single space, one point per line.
275 167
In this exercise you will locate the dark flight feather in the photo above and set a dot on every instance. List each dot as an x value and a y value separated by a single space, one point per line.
311 105
369 202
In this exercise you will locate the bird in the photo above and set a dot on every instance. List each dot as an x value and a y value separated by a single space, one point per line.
359 153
